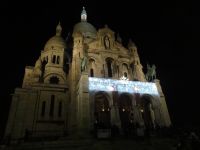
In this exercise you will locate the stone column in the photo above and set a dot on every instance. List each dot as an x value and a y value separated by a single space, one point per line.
83 120
137 115
115 119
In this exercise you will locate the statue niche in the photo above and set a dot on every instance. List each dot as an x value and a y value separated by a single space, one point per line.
107 42
83 63
84 60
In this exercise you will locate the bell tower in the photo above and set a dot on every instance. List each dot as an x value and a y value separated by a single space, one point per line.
136 65
40 107
53 58
79 83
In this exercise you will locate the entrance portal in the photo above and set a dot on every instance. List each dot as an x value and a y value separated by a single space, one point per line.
125 106
147 113
102 110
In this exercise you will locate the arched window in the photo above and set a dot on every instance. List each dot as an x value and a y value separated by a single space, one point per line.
58 59
125 66
66 63
92 66
54 59
54 80
132 67
102 110
43 108
118 70
60 109
91 73
109 66
52 105
125 69
125 74
109 69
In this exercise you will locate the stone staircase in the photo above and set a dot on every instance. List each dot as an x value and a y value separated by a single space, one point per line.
67 143
60 144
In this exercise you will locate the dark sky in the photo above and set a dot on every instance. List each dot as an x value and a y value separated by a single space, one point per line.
166 35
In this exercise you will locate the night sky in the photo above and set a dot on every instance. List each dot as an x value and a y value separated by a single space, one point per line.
166 35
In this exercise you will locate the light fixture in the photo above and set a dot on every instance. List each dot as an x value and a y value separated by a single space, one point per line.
102 84
124 78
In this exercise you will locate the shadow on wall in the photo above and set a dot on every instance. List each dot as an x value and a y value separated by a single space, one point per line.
4 110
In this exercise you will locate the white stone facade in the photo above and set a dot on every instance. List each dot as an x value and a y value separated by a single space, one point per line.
56 102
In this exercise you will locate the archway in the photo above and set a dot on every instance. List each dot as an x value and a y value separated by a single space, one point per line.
125 107
147 111
54 80
109 63
92 67
102 110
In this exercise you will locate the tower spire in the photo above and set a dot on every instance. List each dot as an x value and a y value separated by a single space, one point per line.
131 44
58 29
136 65
83 14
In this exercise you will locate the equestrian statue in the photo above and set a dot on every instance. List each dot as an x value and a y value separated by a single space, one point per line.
151 73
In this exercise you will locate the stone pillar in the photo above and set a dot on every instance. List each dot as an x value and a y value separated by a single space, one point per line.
83 105
115 119
137 115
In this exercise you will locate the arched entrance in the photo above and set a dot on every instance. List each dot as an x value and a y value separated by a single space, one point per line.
147 111
102 110
125 107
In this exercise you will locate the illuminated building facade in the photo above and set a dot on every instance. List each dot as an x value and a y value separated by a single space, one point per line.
102 83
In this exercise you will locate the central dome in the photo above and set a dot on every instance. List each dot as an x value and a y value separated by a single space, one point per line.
85 28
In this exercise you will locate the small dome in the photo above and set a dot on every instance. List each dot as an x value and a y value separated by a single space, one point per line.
85 28
55 42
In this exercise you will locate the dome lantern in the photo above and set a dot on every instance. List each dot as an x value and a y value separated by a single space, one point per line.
58 29
83 15
56 42
84 27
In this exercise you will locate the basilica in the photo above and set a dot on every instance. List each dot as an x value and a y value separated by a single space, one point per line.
99 85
